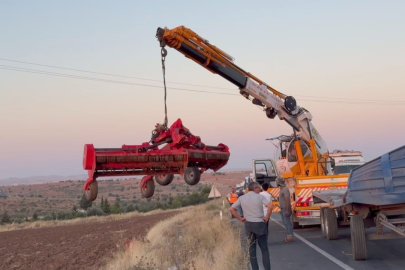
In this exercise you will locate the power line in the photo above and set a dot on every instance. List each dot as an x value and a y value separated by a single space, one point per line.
352 99
114 75
103 80
69 76
196 85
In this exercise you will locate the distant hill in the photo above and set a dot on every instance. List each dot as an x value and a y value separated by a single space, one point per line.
61 193
40 179
57 178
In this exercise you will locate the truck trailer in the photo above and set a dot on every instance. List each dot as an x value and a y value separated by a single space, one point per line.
374 197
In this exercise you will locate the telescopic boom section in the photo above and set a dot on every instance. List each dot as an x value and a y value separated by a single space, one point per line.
212 58
219 62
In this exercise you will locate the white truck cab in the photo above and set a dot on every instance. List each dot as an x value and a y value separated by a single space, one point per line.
346 161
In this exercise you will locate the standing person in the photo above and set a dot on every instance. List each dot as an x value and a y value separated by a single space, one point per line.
240 193
286 211
232 196
267 195
255 222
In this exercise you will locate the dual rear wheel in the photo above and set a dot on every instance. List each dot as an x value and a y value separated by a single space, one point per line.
329 223
329 227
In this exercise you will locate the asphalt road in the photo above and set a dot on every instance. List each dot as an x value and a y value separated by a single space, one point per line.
311 250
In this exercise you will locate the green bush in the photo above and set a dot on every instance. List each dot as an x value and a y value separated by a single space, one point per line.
48 217
64 215
78 214
5 218
116 208
95 211
130 208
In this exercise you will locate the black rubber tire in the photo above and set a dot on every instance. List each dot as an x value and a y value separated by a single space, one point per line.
331 224
149 190
323 221
358 238
91 193
164 179
192 175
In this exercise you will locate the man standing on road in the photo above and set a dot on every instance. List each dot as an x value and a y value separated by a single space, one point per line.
255 222
267 195
286 211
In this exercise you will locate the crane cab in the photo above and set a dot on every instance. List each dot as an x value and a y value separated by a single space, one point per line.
294 156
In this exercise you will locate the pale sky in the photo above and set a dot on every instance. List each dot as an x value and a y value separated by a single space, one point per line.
330 55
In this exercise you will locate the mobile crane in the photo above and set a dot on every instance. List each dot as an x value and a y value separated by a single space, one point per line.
304 160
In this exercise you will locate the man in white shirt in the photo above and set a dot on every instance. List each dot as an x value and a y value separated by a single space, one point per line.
255 222
267 195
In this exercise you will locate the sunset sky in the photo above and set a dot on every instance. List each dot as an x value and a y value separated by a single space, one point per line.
344 61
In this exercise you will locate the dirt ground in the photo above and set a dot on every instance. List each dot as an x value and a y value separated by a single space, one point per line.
84 246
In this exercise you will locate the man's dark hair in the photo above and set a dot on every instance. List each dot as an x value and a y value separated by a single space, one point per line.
265 186
252 186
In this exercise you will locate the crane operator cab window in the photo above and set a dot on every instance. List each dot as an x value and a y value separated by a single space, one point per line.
292 152
265 172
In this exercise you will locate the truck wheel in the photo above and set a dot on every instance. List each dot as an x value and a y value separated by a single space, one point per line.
149 189
91 193
331 225
323 221
164 179
192 175
358 237
296 225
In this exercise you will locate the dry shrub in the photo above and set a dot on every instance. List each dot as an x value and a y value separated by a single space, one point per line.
194 239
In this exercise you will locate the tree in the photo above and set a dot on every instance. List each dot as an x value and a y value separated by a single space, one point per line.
116 208
74 208
102 202
35 216
84 203
106 206
5 218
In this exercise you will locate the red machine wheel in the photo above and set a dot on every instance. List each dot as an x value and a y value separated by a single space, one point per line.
91 193
192 175
149 189
164 179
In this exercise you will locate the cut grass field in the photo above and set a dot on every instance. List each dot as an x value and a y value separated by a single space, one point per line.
196 239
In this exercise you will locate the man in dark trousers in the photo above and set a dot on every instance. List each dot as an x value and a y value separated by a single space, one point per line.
255 222
286 211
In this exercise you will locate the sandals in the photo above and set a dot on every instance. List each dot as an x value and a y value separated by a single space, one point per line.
288 240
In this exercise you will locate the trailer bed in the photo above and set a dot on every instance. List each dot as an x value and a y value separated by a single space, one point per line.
378 182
